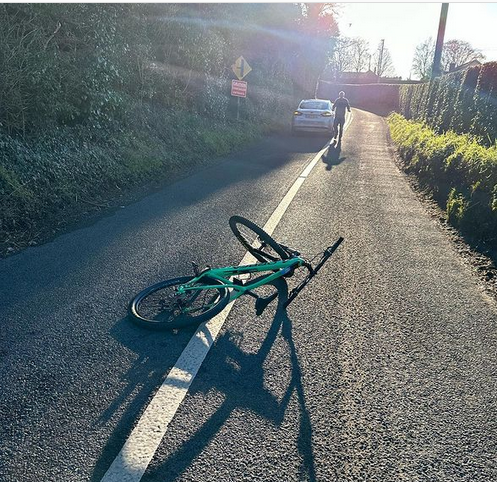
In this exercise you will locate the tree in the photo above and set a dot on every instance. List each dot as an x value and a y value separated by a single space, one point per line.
459 52
422 62
316 33
456 52
340 59
360 56
383 62
349 55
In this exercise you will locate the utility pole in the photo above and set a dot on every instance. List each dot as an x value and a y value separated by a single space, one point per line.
380 59
437 70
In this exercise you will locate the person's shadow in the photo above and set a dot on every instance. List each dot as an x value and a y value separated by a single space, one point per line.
332 156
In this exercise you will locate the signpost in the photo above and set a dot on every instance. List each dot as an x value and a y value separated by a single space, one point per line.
239 87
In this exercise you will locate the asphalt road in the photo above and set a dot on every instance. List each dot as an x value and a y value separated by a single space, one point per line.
384 368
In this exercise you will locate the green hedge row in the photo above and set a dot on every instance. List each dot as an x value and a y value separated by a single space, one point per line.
460 172
464 102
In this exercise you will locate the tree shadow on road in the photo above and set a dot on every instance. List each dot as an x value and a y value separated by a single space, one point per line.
156 354
332 156
239 377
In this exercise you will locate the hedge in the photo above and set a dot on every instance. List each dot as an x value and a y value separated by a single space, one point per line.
464 102
460 172
47 182
97 99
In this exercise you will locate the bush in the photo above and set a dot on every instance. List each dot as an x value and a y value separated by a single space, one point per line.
464 101
460 172
98 98
45 181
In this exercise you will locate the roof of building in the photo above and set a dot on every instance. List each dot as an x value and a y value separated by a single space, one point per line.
358 75
466 65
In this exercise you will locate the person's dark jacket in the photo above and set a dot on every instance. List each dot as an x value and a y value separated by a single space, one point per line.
339 107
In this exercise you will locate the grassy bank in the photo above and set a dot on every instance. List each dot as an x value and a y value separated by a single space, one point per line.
101 101
53 179
460 173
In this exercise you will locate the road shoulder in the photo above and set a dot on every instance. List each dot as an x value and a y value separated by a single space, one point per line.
480 258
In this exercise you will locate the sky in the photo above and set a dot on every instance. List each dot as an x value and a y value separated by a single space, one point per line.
405 25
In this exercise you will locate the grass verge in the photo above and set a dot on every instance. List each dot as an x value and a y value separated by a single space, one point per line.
54 179
460 174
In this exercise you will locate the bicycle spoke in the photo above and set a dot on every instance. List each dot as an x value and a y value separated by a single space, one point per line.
165 306
262 246
258 245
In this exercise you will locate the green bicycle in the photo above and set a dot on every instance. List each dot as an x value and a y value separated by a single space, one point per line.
191 300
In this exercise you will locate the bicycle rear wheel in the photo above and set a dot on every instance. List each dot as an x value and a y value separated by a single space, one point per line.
161 307
256 241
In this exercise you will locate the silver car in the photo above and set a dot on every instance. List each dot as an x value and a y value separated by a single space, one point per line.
313 115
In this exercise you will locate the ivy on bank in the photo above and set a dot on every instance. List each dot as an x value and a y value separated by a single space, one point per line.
463 102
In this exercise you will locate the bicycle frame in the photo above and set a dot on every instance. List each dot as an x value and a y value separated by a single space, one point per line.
188 300
278 268
226 275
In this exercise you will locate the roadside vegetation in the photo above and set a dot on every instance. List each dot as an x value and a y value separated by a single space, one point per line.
99 99
457 170
463 102
446 134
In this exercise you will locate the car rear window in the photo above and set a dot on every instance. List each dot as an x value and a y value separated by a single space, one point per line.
314 105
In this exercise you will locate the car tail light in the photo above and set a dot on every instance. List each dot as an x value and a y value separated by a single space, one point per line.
326 114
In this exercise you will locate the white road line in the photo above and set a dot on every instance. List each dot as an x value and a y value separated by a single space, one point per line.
138 450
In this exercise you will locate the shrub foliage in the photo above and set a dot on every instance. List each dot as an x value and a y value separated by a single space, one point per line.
464 102
459 171
98 97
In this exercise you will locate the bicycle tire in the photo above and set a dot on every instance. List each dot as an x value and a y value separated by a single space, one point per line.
166 319
257 233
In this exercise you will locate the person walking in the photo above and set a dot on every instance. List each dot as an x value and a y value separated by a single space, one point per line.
339 106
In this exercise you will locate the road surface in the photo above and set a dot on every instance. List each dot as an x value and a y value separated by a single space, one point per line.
383 369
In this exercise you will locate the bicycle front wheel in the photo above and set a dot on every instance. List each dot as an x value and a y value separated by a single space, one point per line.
256 241
161 307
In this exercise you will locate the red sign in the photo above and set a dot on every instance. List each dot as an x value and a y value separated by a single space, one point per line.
239 88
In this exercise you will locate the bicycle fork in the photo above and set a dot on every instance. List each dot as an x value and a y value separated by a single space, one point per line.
313 271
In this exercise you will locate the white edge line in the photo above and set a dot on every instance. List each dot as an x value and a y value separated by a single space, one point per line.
138 450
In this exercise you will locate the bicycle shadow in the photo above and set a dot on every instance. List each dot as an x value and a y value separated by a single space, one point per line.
239 377
332 156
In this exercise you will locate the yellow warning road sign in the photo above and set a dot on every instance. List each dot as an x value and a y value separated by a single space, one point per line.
241 67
